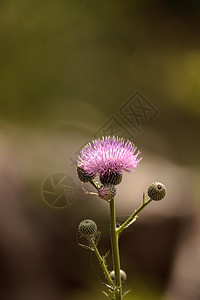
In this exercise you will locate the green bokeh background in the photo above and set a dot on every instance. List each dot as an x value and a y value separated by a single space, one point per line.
59 57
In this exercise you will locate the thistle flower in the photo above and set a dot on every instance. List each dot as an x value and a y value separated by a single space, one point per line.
108 157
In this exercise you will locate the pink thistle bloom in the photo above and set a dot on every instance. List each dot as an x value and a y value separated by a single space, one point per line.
109 156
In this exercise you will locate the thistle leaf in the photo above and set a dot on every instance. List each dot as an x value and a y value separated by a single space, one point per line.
125 293
106 255
86 247
107 295
98 238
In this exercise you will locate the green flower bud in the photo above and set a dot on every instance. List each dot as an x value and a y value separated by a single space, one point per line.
122 275
87 227
83 176
110 178
157 191
107 191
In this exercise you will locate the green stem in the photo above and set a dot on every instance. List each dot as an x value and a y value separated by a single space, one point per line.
134 215
115 250
95 184
102 262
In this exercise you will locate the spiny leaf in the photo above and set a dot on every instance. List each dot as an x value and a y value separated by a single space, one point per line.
125 293
86 247
106 255
98 238
107 295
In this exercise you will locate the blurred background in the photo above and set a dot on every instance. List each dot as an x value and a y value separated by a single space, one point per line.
75 70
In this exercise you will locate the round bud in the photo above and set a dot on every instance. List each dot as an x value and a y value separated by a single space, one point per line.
110 178
107 191
157 191
122 274
87 227
83 176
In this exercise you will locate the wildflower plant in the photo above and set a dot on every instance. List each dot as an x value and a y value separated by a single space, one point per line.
108 158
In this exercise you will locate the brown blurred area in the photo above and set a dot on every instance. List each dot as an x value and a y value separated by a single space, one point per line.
67 67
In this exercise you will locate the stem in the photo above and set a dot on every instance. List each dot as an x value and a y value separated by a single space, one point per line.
101 261
130 219
115 250
95 184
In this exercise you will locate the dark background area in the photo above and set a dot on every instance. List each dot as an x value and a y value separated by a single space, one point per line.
67 69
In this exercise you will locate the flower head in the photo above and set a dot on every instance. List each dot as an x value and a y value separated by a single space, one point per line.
157 191
107 157
82 175
107 191
87 227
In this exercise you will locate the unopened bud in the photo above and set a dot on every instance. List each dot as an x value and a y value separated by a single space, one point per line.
107 191
83 176
157 191
87 227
